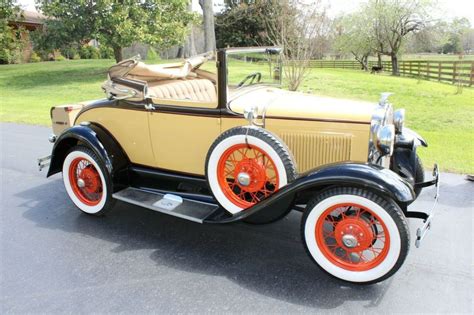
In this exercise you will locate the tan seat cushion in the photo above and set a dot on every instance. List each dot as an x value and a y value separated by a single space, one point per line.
201 90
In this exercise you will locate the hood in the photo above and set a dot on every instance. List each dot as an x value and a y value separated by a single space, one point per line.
287 104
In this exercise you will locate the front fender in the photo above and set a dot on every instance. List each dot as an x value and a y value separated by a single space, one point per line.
71 137
419 140
372 177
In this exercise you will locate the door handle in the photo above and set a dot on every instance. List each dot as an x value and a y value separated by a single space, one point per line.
149 107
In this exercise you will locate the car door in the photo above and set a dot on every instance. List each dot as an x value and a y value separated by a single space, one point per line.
128 123
181 136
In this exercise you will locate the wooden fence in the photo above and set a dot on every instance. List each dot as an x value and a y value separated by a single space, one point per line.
455 72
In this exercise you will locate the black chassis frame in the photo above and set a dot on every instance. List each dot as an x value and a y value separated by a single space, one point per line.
124 174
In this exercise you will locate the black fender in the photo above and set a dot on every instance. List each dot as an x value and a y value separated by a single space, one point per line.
381 181
99 140
418 140
403 160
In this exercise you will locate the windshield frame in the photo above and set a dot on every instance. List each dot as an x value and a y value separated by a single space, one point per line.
271 50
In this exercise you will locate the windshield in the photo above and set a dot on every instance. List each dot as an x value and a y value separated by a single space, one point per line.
247 67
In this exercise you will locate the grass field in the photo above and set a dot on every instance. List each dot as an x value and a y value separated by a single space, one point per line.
444 118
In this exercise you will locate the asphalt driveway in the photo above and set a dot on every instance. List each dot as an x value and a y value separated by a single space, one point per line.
54 259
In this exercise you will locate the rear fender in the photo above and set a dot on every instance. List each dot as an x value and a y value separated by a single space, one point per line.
372 177
97 139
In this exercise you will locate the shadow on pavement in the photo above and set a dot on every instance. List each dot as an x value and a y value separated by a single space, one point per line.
268 260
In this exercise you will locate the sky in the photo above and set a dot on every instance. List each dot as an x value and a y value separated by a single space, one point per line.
446 9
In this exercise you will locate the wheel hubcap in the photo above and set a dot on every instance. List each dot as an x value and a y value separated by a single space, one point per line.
349 241
81 183
243 178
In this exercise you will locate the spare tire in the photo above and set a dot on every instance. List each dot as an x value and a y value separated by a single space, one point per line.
245 165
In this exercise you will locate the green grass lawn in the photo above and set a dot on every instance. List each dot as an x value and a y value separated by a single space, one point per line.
444 118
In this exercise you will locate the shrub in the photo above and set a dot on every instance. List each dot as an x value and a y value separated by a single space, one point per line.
84 52
35 57
69 52
152 55
106 52
94 52
59 57
76 57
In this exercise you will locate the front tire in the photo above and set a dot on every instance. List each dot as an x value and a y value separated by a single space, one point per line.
87 182
246 165
355 235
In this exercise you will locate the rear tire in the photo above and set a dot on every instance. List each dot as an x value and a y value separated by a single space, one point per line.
355 235
87 182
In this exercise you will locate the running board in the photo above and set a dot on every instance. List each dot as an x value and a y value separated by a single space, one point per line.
174 205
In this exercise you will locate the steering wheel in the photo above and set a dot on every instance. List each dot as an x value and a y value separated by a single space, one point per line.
251 77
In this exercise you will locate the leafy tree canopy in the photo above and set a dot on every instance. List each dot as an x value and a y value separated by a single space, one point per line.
241 24
10 41
117 24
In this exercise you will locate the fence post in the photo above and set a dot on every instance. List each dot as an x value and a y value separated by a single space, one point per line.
472 73
439 71
427 70
454 71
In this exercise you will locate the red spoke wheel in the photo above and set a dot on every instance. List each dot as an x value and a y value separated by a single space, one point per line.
246 165
86 181
247 175
352 237
355 235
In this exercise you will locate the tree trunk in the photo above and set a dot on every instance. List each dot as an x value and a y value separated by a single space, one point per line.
118 54
189 45
180 53
365 67
379 60
394 58
208 23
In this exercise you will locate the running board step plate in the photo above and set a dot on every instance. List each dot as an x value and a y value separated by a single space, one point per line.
170 204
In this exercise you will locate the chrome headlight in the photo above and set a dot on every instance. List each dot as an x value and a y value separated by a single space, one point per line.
385 139
399 120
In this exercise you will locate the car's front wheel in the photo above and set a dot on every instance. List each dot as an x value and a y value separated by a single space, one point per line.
86 181
355 235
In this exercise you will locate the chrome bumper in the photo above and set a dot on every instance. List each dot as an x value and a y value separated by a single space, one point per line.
426 216
43 162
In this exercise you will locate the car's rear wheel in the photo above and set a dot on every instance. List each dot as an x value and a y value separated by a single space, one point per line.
245 165
86 181
355 235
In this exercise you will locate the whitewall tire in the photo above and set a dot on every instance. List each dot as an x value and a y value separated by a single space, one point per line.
355 235
245 165
86 181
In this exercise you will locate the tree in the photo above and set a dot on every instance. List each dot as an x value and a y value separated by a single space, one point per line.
118 24
189 47
10 40
240 25
355 38
208 23
393 20
294 26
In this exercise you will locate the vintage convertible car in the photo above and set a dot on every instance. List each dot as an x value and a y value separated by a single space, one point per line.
213 139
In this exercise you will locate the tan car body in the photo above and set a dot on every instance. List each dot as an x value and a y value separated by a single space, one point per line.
317 130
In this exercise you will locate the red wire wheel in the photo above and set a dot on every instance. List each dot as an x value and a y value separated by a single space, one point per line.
246 175
85 181
352 237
